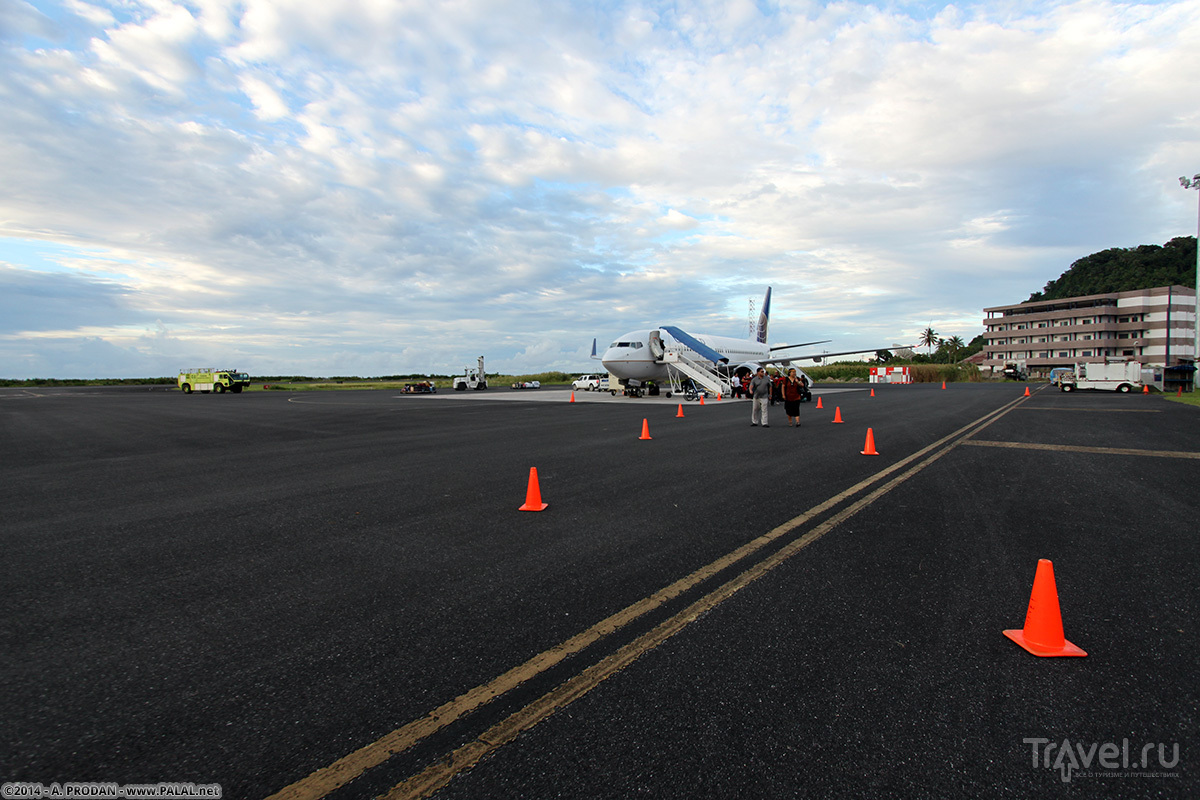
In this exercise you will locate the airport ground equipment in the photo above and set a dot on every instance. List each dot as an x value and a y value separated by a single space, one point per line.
475 378
1015 372
209 379
1119 376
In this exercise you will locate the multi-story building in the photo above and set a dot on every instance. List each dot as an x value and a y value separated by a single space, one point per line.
1153 326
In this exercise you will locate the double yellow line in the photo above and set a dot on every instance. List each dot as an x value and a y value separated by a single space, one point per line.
345 769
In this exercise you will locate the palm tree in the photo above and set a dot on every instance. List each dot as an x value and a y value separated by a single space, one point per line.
929 338
956 345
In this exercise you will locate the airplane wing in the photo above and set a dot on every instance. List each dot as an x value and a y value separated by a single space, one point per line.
802 344
822 356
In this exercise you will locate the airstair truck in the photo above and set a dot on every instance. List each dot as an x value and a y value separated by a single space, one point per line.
208 379
1120 376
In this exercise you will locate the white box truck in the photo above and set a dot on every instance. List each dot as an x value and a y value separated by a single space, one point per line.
1121 376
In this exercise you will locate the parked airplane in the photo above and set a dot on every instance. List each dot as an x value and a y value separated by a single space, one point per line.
669 355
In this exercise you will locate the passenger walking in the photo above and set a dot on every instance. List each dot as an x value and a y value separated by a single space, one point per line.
760 395
793 393
736 383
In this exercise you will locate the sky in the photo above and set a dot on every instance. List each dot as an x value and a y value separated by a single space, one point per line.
378 187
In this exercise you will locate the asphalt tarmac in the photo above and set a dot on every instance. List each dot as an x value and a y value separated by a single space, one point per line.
333 594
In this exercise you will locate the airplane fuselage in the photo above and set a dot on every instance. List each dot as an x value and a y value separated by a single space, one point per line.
637 355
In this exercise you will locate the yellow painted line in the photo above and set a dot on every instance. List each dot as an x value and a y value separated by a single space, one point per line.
345 769
437 775
1096 410
1070 448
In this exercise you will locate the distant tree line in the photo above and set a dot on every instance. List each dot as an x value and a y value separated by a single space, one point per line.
1124 269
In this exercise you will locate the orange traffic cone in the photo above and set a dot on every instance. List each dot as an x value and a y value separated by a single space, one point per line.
819 403
533 495
1146 389
680 414
572 395
837 414
1043 631
702 399
645 430
718 397
943 384
870 446
1026 391
872 393
1179 392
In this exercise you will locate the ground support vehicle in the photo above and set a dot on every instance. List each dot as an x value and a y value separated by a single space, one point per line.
527 385
208 379
1015 372
1121 376
1056 375
475 378
636 388
586 383
423 387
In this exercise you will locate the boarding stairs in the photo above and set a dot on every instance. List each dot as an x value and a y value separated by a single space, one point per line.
703 373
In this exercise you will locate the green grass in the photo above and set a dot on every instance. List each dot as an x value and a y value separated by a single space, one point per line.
860 372
1192 399
302 384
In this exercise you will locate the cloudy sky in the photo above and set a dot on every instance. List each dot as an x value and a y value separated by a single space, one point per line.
390 186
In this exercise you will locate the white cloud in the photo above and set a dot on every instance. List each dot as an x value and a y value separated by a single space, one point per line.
322 184
267 102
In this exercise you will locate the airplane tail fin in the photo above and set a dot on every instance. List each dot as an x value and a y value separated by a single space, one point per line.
764 317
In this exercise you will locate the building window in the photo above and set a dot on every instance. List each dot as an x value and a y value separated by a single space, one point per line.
1087 352
1063 354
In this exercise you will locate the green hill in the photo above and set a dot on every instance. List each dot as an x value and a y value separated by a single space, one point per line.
1123 269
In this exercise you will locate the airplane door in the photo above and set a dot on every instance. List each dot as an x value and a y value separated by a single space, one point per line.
656 346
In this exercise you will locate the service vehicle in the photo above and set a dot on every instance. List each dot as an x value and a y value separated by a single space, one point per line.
527 385
421 387
208 379
1120 376
1015 372
475 378
587 383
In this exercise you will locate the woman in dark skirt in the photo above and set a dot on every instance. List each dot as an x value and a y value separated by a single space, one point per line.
793 392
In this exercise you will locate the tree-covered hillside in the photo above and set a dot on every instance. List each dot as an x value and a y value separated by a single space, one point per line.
1123 269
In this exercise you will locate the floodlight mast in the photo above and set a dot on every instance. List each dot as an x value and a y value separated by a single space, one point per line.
1194 183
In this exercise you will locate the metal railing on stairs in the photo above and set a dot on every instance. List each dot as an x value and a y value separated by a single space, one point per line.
702 373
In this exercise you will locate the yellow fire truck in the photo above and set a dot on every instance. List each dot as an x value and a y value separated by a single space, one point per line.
207 379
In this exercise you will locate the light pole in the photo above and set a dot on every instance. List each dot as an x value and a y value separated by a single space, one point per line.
1194 183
